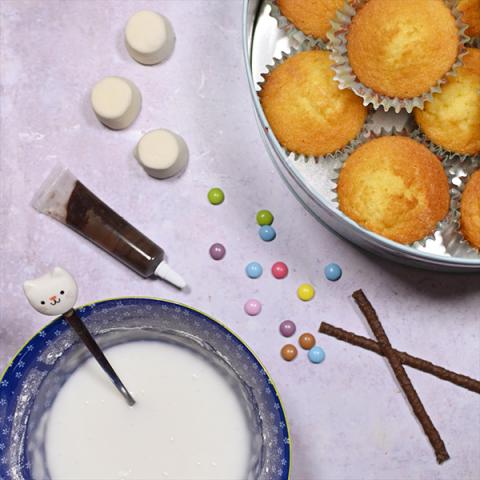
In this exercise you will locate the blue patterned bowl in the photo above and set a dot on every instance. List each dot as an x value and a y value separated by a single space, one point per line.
33 379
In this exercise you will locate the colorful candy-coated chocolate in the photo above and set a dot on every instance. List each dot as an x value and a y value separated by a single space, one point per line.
306 341
253 270
264 217
287 328
252 307
288 352
217 251
279 270
333 272
216 196
316 355
267 233
305 292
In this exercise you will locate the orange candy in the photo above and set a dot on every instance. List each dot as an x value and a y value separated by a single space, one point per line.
288 352
306 341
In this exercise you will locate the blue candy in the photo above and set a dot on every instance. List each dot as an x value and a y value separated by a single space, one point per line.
316 355
267 233
333 272
253 270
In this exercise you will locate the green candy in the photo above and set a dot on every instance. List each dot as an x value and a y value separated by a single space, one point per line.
264 217
216 196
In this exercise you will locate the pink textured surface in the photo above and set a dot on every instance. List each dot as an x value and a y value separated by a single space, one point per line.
348 417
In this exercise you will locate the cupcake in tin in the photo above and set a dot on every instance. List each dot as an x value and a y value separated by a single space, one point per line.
401 48
394 186
452 118
396 53
470 210
311 17
306 110
471 16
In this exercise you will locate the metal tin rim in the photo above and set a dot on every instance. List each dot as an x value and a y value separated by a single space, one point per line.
373 242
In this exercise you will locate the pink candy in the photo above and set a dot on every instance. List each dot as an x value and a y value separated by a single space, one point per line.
252 307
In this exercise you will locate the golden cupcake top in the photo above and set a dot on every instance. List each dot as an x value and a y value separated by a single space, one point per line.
470 210
394 186
312 17
401 48
306 110
471 16
452 118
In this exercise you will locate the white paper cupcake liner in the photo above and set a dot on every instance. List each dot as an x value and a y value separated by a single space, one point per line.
299 157
293 33
437 235
346 78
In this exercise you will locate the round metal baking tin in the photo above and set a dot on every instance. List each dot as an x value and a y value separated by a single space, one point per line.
262 42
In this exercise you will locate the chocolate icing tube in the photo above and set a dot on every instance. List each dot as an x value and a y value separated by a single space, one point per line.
412 396
64 198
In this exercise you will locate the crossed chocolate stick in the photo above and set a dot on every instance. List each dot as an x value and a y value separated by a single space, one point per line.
397 359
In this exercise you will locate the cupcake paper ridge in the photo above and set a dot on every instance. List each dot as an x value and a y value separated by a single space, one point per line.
459 168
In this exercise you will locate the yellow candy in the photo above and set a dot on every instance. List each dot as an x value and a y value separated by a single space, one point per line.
305 292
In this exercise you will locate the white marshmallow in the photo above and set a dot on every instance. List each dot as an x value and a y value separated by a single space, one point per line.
116 102
149 37
162 153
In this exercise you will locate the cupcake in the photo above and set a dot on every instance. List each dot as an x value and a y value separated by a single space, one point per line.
394 186
312 17
471 16
401 48
452 118
470 210
306 110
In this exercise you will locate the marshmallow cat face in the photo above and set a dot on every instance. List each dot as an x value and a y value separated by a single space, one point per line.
53 293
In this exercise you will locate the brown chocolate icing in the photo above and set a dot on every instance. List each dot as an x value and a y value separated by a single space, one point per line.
89 216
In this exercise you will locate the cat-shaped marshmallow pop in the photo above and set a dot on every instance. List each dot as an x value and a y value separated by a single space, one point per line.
54 293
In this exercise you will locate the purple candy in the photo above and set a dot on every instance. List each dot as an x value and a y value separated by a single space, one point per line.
217 251
252 307
287 328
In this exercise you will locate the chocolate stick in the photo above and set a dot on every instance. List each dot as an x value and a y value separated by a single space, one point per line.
430 431
406 359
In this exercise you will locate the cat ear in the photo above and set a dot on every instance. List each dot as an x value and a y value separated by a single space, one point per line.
28 286
59 272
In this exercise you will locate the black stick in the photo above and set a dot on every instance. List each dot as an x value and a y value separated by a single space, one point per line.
86 337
